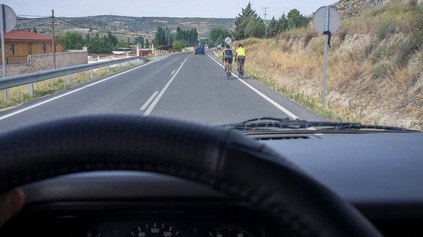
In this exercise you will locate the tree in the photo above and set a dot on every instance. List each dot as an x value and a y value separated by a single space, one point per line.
187 36
193 36
140 40
283 23
87 39
180 34
296 20
34 30
100 45
255 28
242 21
111 39
219 41
161 37
178 45
168 37
205 42
273 28
123 44
147 43
164 37
217 33
71 40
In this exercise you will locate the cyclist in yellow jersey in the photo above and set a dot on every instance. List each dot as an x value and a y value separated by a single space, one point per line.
240 55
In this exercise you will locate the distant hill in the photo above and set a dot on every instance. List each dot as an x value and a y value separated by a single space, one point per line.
124 25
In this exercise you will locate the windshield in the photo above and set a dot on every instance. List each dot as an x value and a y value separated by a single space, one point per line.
216 63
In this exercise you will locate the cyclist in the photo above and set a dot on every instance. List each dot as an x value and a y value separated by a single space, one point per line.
240 56
228 57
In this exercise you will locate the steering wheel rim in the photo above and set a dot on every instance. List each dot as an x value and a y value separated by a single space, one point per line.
218 157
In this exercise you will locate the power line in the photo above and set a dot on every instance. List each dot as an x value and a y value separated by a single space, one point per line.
265 14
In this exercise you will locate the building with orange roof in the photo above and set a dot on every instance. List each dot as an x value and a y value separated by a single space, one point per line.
19 44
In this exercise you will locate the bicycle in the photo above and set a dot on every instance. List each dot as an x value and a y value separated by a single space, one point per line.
227 71
240 68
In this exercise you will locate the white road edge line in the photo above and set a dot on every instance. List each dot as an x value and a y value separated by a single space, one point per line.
149 101
73 91
274 103
156 100
173 72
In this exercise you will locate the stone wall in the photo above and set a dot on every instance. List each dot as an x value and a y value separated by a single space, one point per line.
42 62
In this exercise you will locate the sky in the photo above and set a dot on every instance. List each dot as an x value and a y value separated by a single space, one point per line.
162 8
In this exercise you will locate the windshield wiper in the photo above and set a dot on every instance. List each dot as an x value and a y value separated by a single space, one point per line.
272 124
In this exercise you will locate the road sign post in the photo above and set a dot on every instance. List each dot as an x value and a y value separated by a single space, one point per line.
326 20
7 23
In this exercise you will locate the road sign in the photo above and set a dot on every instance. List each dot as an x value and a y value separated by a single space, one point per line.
228 40
7 19
326 19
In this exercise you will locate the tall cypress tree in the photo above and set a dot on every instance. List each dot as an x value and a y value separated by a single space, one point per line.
242 21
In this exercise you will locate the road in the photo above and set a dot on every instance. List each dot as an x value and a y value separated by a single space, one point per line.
182 86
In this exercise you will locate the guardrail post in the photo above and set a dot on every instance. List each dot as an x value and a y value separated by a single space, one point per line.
31 89
5 95
29 78
68 79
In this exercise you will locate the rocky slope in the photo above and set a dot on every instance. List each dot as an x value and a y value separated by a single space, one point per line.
375 65
350 8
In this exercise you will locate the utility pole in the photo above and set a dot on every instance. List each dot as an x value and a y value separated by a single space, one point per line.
52 40
265 15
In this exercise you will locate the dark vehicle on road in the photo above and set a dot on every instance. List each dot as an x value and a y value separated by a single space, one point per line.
199 49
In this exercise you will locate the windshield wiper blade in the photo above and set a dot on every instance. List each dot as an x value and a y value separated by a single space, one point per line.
278 124
357 126
268 123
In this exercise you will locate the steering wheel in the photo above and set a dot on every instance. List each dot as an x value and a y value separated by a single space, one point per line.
218 157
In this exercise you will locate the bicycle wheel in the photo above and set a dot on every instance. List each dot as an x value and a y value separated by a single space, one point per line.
228 73
241 70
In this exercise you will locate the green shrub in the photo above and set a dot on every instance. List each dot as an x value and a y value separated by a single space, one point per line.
407 49
382 70
386 29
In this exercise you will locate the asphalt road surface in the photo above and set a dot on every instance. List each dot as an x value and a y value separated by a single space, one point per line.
182 86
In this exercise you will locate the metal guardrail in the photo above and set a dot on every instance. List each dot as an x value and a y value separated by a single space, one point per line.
29 78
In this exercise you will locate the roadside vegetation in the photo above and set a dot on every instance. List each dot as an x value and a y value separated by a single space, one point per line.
20 94
375 66
98 44
175 41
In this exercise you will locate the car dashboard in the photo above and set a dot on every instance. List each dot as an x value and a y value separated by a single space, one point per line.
379 173
125 203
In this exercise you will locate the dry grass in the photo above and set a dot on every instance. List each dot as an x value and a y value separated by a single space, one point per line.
20 94
395 17
374 69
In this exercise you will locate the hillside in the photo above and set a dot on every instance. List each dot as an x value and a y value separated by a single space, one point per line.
375 66
351 8
124 25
